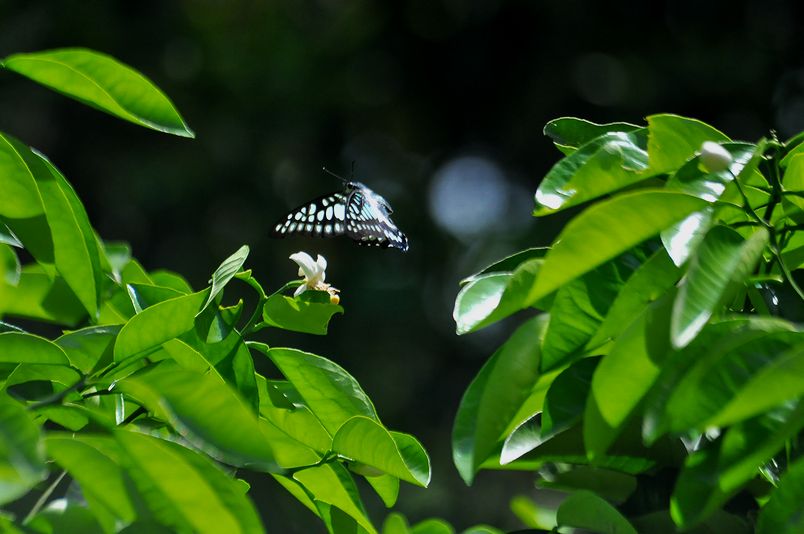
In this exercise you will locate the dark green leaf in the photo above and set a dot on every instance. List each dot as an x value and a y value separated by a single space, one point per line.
713 474
104 83
584 509
611 485
495 396
722 260
605 231
566 397
784 511
610 162
573 132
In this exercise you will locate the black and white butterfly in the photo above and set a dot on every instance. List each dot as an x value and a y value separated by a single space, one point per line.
356 211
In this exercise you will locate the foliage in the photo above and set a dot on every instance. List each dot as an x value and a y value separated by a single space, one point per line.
147 406
664 353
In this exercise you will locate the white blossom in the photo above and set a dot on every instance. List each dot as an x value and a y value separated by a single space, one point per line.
314 273
714 157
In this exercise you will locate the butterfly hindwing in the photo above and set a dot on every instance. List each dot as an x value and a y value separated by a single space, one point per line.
322 217
368 221
357 212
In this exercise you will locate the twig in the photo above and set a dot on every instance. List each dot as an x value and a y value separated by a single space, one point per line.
43 498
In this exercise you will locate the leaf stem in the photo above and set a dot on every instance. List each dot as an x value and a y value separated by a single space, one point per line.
43 498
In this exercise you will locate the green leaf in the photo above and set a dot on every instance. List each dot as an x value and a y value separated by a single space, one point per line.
713 341
723 259
386 486
104 83
157 324
584 509
75 246
40 296
713 474
782 514
364 440
20 199
89 348
611 485
63 515
9 265
144 296
533 515
572 132
605 231
495 396
652 280
102 480
432 526
491 297
206 412
310 312
226 272
566 398
292 416
609 162
624 377
682 239
777 382
793 179
332 484
693 179
327 389
395 523
6 235
577 311
717 377
672 140
509 263
172 280
184 489
16 347
22 458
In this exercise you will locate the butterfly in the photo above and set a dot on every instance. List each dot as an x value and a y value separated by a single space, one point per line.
356 211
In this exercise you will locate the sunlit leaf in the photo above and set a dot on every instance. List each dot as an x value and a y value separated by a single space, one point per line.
17 347
605 231
225 272
723 258
309 313
673 139
104 83
366 441
572 132
609 162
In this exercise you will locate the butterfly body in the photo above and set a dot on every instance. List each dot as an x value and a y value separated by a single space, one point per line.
356 212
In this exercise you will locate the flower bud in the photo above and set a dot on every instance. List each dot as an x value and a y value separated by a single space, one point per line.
714 157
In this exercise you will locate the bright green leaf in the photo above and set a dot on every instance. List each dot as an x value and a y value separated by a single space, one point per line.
327 389
16 347
104 83
89 348
226 272
782 514
308 313
332 484
509 263
605 231
573 132
20 199
9 265
364 440
610 162
206 412
157 324
672 140
723 259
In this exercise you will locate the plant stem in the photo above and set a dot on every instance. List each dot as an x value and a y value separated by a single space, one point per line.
43 498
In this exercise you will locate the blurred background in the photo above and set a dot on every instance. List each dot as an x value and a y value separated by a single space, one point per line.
441 104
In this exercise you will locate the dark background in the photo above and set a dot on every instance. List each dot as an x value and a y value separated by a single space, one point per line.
441 103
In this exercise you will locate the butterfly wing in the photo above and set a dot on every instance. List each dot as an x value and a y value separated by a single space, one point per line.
368 221
322 217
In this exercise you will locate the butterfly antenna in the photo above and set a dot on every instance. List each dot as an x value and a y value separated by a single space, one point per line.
344 180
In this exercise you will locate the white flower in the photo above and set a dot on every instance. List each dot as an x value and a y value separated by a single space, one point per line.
314 273
714 157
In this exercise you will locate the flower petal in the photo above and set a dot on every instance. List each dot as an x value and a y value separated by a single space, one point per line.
307 267
299 290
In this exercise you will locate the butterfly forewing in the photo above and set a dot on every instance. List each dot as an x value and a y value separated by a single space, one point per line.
322 217
357 212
